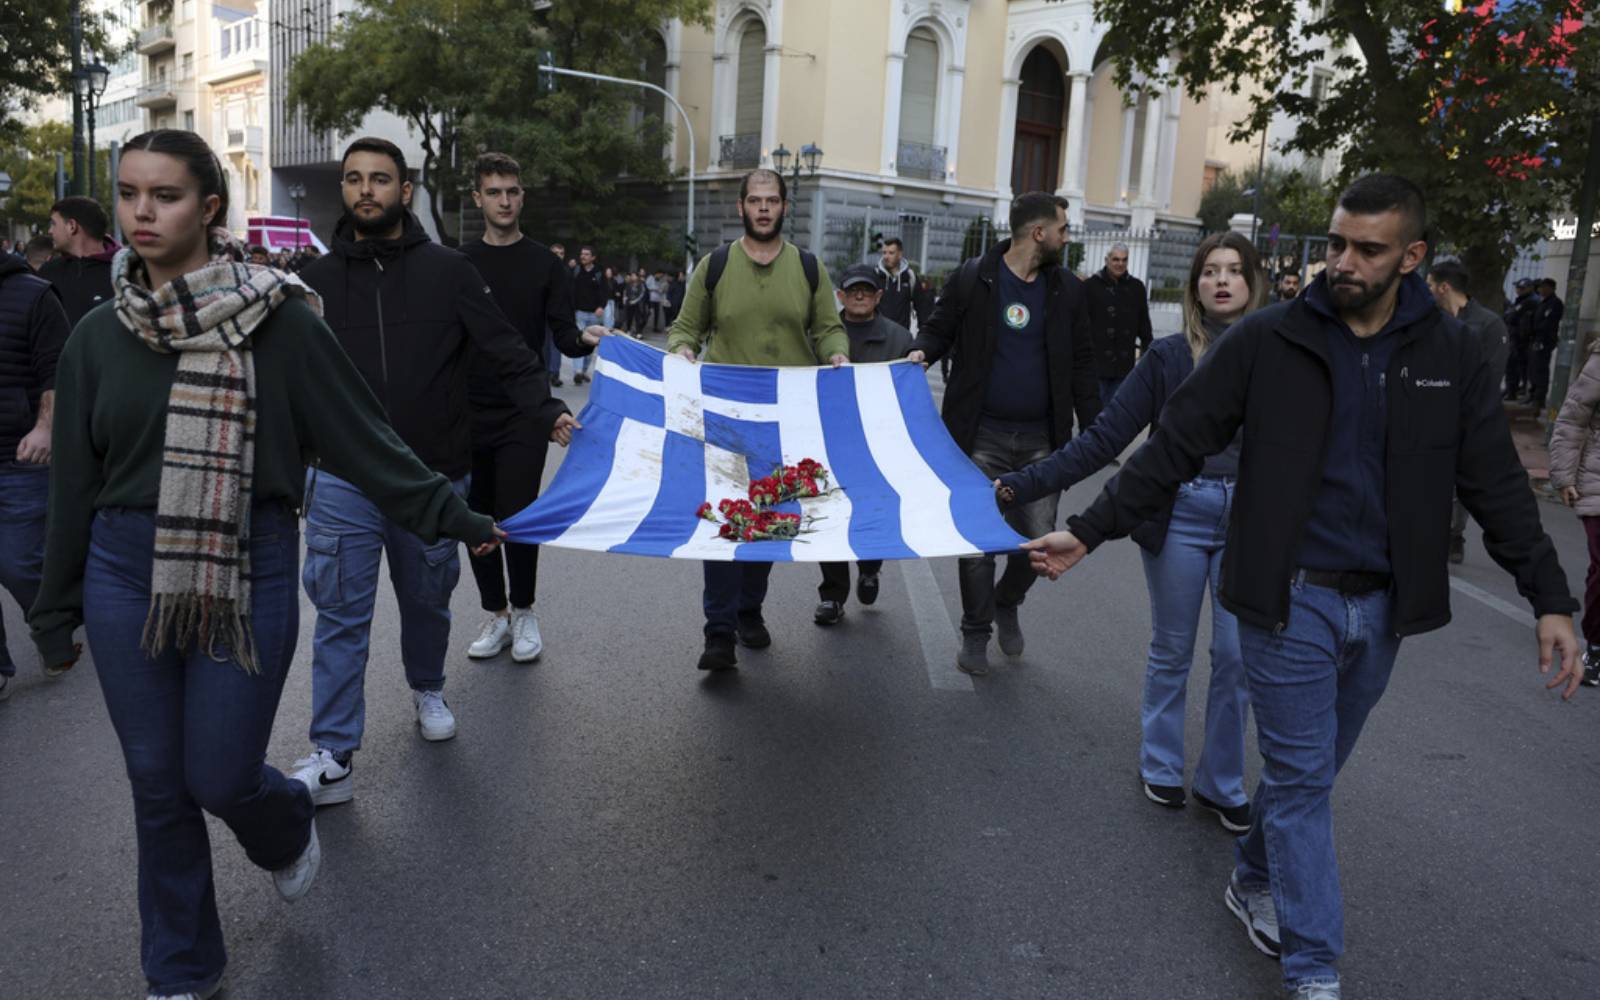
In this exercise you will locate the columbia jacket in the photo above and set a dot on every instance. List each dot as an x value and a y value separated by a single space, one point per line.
965 323
82 282
405 311
1119 318
1446 433
33 329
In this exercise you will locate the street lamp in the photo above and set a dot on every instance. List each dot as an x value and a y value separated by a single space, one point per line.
90 82
297 191
810 156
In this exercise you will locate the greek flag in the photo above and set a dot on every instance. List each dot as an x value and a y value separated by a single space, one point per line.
662 435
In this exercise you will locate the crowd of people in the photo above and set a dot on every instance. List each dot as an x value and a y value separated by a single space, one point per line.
1309 465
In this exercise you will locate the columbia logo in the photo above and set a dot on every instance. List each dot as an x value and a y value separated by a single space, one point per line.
1433 383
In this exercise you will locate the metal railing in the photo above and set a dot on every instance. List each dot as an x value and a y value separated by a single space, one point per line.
155 34
739 151
245 139
921 160
158 92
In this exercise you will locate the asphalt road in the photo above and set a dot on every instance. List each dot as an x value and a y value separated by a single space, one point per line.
843 818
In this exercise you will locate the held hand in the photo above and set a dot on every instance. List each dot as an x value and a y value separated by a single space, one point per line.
34 448
1556 637
592 334
561 433
687 354
1059 551
838 360
491 544
918 358
1004 494
1569 494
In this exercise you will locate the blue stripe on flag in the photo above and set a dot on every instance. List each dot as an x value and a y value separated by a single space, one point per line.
671 521
577 483
761 444
622 398
740 383
638 358
875 507
972 508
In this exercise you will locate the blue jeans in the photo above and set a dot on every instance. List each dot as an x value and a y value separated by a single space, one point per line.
194 736
24 494
552 357
586 320
1312 685
1190 563
346 535
1109 387
734 593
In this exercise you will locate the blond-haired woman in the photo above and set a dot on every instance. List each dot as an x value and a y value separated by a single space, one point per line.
1183 549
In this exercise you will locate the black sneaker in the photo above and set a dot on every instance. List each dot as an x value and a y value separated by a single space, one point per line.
579 379
1234 819
1008 630
753 634
719 654
1591 667
556 381
1170 796
829 613
867 588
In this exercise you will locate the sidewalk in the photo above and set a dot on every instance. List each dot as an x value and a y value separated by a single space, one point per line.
1527 433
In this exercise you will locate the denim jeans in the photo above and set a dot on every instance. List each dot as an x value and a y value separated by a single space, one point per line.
1312 685
1109 387
586 320
1189 565
734 592
194 736
24 494
552 357
345 536
997 452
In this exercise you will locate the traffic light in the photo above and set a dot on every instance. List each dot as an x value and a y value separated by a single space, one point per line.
877 243
691 244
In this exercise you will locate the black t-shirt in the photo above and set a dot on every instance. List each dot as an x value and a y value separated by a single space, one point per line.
532 288
1018 396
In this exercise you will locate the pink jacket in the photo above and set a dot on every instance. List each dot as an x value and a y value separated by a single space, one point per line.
1574 449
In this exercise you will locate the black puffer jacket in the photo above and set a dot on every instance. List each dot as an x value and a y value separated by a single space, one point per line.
1119 315
82 282
405 311
33 328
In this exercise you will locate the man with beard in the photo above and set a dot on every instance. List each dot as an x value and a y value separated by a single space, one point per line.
1017 323
407 311
508 447
1363 406
768 303
1288 286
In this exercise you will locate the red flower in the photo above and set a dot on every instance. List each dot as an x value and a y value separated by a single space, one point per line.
748 534
728 530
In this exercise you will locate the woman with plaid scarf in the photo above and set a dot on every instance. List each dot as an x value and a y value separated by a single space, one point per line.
186 411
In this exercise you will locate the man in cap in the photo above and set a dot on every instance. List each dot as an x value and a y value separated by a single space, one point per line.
874 337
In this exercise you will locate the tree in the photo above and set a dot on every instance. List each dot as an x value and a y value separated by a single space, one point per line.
31 162
1469 105
1293 201
464 75
34 55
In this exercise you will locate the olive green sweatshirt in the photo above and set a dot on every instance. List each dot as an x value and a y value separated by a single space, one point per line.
311 404
762 314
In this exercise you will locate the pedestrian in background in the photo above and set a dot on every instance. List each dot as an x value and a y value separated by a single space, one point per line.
874 338
1119 320
38 252
589 297
552 354
635 305
1546 327
1575 476
675 291
184 573
1519 328
900 285
81 267
1288 287
1017 323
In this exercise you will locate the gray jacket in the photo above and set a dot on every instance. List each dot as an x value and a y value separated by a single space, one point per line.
1574 456
1491 331
883 340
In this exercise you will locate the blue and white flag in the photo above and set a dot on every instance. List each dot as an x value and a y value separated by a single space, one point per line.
662 435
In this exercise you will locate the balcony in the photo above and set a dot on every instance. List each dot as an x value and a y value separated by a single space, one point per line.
245 141
920 160
740 152
157 94
155 38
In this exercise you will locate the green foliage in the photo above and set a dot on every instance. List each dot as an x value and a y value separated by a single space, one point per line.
31 162
1459 103
1295 201
464 75
35 59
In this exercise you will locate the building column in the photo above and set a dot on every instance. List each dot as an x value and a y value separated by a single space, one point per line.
769 102
722 82
1152 147
893 86
1005 148
954 79
670 84
1072 183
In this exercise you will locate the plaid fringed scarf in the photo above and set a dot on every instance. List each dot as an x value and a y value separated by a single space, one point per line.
200 585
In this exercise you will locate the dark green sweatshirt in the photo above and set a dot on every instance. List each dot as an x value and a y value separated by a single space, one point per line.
311 404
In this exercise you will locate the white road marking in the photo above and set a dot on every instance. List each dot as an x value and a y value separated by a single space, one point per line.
934 629
1521 616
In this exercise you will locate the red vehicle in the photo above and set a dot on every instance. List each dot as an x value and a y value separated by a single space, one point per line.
280 232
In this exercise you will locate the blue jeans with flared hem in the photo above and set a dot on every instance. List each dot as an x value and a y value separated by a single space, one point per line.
194 730
1312 685
1190 565
24 495
346 537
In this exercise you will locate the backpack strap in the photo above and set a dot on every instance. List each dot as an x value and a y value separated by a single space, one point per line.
717 262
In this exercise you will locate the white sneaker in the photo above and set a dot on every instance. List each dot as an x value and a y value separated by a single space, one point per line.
434 716
527 643
330 782
492 638
209 992
295 881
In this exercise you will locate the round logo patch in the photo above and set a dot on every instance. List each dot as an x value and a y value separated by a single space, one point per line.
1017 316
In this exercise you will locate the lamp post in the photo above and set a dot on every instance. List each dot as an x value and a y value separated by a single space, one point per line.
810 156
297 191
89 82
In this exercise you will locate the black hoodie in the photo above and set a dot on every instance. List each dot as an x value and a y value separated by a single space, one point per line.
407 311
82 282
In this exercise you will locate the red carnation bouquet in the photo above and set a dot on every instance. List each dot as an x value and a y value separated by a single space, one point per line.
754 520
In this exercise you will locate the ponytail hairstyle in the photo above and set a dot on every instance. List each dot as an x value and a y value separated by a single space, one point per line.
197 156
1255 281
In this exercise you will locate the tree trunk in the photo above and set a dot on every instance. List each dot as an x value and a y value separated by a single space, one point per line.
1487 265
